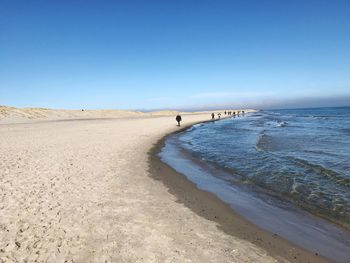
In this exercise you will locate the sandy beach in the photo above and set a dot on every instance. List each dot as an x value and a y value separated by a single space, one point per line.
88 187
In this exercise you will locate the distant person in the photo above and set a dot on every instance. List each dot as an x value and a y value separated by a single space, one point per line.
219 115
178 119
225 112
213 116
243 112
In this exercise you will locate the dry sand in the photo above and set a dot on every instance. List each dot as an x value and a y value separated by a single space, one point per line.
29 115
84 191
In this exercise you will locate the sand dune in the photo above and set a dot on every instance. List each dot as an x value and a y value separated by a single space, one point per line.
11 114
19 115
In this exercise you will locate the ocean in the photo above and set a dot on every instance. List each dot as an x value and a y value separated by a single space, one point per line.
292 164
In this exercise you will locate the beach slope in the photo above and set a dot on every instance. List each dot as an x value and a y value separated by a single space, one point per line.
84 191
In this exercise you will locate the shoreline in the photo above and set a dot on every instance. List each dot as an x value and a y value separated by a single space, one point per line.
83 191
209 206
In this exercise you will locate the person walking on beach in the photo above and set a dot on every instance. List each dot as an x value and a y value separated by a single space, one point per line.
213 116
219 115
178 119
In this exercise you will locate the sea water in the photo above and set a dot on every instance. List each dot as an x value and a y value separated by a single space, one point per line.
274 165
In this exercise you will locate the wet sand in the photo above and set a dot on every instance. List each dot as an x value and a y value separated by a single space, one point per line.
267 212
209 206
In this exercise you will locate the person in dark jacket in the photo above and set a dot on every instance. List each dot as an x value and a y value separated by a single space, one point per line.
178 119
213 116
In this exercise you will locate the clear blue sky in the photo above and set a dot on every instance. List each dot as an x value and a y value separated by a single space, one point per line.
174 54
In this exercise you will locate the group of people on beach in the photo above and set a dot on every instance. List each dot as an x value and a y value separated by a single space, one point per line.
227 113
179 118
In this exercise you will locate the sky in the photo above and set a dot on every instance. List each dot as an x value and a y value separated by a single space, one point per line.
174 54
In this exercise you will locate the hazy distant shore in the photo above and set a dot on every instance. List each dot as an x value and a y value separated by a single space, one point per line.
83 191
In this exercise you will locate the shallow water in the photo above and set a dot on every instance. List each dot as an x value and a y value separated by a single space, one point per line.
276 168
302 156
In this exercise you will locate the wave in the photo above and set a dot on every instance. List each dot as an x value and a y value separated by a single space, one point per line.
257 152
323 171
282 124
193 127
262 141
